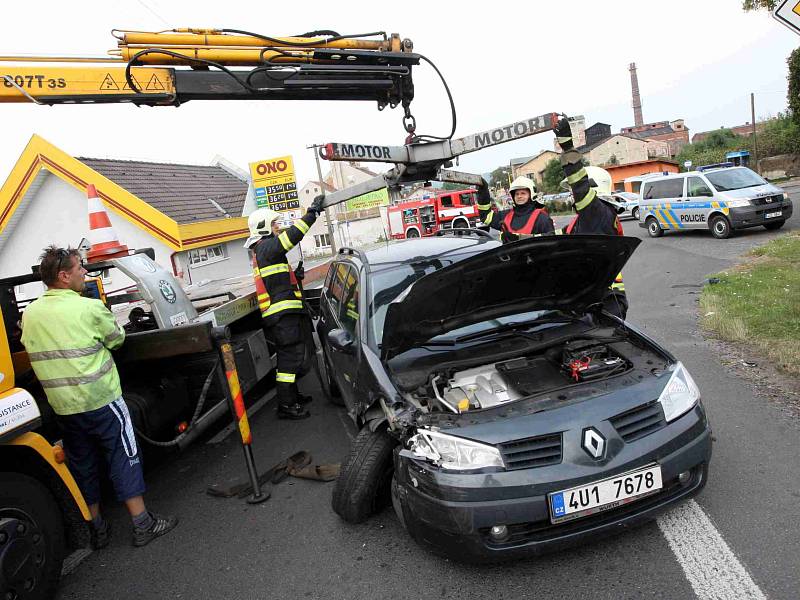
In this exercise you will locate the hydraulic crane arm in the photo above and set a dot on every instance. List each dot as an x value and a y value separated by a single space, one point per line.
173 67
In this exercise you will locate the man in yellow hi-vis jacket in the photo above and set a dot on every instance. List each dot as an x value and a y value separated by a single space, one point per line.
68 339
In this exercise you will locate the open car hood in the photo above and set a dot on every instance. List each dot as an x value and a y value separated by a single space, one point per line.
568 273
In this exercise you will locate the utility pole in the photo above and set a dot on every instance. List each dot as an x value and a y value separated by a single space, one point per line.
331 237
755 142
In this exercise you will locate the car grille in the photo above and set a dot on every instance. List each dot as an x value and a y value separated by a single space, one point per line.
767 200
639 422
532 452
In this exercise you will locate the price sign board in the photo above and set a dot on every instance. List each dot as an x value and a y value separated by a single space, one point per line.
275 185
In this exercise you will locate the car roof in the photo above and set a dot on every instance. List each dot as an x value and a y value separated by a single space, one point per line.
423 248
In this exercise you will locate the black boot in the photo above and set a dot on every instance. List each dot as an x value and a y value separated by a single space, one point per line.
301 398
289 406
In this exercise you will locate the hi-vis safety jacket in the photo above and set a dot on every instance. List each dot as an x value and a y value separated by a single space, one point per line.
594 216
276 284
68 339
517 222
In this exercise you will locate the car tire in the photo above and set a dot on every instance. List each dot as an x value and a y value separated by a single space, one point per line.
774 225
720 227
635 213
653 228
364 483
331 390
412 233
460 224
31 504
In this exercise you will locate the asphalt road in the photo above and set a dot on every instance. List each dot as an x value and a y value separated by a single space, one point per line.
740 539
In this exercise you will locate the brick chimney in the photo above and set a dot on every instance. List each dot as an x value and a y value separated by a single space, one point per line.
636 103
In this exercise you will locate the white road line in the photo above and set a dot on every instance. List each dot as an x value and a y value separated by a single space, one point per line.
709 564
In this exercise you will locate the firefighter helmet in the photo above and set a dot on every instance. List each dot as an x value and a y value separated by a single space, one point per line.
524 183
260 224
602 180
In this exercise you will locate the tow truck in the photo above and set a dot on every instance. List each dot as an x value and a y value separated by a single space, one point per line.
42 512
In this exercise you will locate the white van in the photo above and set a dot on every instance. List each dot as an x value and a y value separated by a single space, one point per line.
719 198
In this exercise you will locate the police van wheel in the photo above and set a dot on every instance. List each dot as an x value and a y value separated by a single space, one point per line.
653 228
635 213
720 227
31 538
773 226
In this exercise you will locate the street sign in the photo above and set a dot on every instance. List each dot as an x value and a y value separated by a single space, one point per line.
275 186
369 200
788 13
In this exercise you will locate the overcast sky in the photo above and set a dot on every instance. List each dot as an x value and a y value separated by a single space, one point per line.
697 60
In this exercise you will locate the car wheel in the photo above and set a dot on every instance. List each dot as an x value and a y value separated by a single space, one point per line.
31 538
412 233
332 390
635 212
653 228
774 225
720 227
364 483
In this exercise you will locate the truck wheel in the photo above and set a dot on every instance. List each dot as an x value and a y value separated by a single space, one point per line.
653 228
412 233
331 390
635 212
364 484
774 225
31 538
720 227
460 224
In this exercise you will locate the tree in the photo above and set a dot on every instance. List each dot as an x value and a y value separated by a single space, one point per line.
552 176
500 176
793 93
749 5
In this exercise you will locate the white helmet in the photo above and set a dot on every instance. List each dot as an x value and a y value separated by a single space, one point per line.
602 180
260 224
524 183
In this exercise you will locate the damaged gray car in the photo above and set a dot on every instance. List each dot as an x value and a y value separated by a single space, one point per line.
501 411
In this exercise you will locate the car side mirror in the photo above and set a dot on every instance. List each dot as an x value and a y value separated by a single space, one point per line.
341 340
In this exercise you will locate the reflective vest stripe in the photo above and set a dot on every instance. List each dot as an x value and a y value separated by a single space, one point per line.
484 206
282 305
284 377
585 202
66 381
302 226
285 241
68 353
272 269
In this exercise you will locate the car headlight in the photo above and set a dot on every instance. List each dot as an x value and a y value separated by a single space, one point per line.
451 452
738 203
680 394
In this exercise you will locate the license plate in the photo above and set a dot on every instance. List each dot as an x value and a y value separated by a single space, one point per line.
603 495
777 213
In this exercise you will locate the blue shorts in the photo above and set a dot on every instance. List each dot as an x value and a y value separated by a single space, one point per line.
103 434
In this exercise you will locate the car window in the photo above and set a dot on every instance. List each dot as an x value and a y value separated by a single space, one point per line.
468 199
666 188
696 188
336 288
734 179
348 312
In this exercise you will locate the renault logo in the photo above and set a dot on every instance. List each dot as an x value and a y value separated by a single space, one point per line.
593 442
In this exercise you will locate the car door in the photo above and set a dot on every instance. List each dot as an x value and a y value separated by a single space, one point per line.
330 302
698 198
345 363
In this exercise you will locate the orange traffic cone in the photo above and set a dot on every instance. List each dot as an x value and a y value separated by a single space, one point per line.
102 237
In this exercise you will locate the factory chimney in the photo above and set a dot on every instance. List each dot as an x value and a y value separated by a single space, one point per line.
637 99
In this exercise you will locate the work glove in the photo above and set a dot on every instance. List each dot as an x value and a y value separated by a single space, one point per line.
563 133
483 193
300 271
316 205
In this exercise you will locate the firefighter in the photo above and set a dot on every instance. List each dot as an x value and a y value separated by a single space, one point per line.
69 340
527 217
596 214
280 300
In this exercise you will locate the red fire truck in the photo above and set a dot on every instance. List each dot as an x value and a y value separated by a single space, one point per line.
444 209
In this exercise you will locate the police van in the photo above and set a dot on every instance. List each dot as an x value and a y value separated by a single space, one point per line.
721 198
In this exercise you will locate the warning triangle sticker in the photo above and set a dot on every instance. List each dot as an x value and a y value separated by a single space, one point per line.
136 84
109 83
154 84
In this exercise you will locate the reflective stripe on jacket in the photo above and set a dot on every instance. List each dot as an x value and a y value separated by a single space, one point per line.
68 339
276 284
536 222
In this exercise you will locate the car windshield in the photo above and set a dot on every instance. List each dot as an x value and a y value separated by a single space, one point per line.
488 325
734 179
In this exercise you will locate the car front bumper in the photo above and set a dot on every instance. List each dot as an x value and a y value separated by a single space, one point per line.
753 216
454 513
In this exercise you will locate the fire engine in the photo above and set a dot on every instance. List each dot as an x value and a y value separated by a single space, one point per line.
447 209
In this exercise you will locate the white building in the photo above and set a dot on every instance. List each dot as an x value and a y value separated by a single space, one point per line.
191 215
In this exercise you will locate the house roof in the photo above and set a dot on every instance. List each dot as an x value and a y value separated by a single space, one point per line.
182 192
589 147
521 160
41 159
650 132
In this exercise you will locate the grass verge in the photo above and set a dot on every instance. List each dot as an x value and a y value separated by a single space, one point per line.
757 303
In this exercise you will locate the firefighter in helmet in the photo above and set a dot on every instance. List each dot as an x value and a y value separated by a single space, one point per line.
596 212
526 218
280 300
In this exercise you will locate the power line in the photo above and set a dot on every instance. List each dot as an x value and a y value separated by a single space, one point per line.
154 13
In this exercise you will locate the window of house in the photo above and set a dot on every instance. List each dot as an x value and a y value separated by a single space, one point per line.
323 240
208 255
697 188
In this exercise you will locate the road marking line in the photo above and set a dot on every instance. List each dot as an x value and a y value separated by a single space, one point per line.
709 564
73 560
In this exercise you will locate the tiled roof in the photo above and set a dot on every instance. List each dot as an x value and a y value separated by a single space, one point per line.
182 192
650 132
